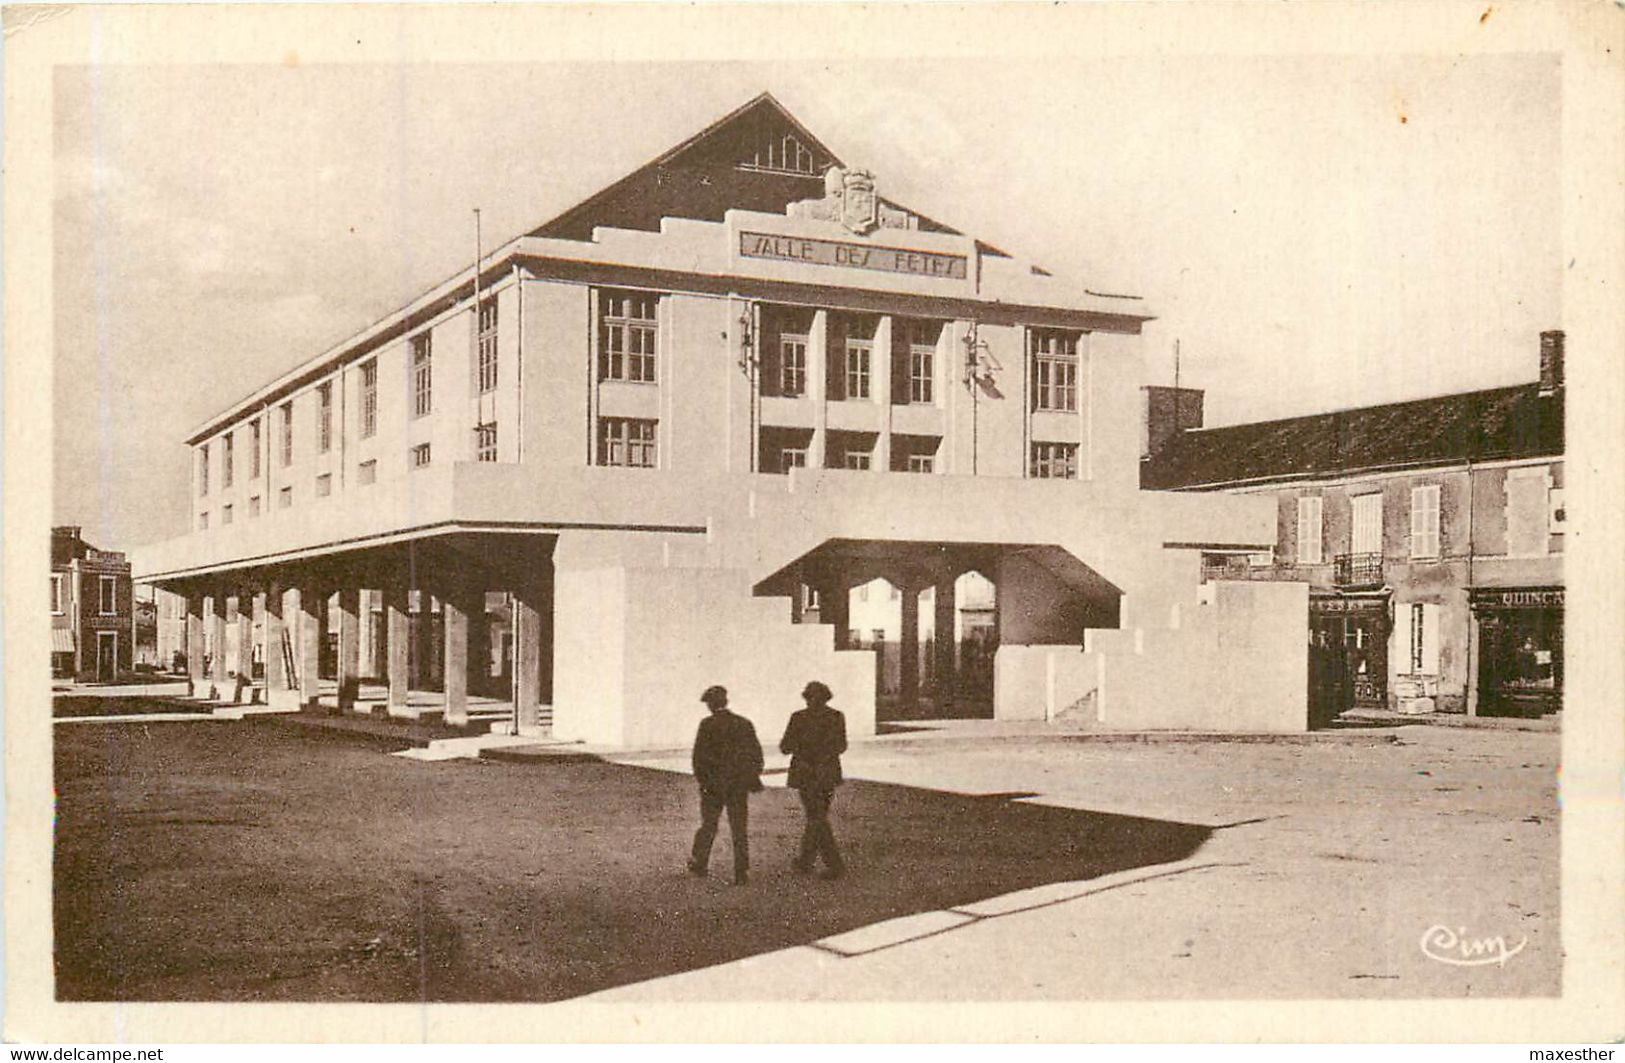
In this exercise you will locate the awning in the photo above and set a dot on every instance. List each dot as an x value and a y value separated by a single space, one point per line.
61 640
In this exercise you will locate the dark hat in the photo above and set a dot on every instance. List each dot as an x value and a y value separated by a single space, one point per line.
715 695
817 692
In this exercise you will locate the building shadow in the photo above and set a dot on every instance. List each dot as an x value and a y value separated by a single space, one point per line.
341 874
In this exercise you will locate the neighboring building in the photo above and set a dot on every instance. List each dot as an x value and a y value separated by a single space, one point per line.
659 439
92 634
1431 533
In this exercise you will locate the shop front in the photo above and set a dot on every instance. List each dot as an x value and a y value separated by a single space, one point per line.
1520 650
1348 653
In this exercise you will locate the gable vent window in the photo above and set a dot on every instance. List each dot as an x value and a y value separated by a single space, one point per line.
774 148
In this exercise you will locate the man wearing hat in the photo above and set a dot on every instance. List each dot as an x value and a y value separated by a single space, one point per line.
815 740
728 767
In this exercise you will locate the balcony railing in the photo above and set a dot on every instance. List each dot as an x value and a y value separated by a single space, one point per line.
1357 570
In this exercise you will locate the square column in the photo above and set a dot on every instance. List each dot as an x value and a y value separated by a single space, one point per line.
457 607
279 689
217 635
245 647
197 684
308 651
835 608
818 386
397 637
908 646
349 662
882 375
479 645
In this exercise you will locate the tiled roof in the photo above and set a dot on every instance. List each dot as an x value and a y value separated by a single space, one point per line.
1501 423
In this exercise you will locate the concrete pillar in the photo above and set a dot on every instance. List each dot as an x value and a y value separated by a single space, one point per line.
458 605
217 635
279 688
532 649
946 640
245 647
308 645
349 662
908 646
397 628
881 371
197 684
818 386
479 645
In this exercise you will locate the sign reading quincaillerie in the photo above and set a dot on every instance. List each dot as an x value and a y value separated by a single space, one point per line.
857 256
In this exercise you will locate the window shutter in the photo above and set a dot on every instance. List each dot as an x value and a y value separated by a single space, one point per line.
1309 533
1430 639
1402 639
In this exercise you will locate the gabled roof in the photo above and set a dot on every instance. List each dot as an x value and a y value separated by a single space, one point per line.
737 162
1497 424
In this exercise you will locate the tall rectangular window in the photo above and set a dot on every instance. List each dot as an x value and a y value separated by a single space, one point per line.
255 443
253 507
792 365
420 456
1416 638
227 456
626 441
109 597
57 605
922 360
367 472
225 514
203 470
287 434
369 399
422 375
1367 532
1309 540
859 359
324 418
203 521
1528 511
487 343
284 498
1425 521
485 442
1054 461
324 485
1055 370
626 336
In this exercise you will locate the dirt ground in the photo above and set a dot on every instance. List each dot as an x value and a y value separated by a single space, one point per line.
256 861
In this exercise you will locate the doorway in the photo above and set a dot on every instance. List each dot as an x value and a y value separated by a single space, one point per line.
106 656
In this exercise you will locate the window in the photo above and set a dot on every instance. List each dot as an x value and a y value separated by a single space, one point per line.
109 597
792 365
809 597
485 442
855 459
793 458
1416 638
1528 511
226 461
420 455
203 521
922 360
225 514
57 605
1367 533
859 356
772 148
488 346
1425 521
422 375
287 434
254 456
368 472
369 399
324 485
626 441
1054 461
203 470
324 418
1309 530
1055 370
626 336
921 463
253 507
284 498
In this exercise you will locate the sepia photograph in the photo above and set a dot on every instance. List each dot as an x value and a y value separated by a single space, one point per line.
576 506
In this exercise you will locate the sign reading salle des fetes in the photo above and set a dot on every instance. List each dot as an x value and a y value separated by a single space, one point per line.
857 256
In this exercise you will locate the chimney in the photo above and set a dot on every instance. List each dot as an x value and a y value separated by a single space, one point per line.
1551 361
1168 412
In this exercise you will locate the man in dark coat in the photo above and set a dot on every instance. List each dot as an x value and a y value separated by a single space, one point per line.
728 767
815 740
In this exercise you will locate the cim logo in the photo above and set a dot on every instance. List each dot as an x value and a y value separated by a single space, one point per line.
1454 947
